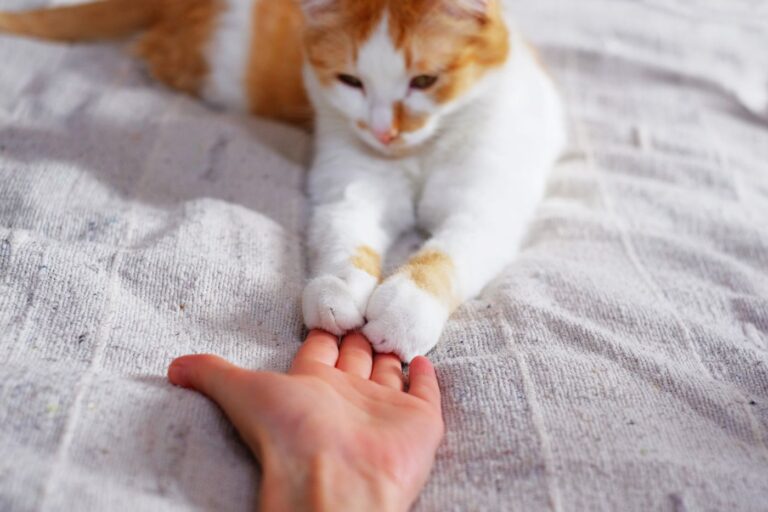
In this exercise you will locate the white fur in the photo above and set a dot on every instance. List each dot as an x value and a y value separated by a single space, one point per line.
472 177
227 55
474 187
404 319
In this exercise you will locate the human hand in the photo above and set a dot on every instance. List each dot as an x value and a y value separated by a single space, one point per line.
337 432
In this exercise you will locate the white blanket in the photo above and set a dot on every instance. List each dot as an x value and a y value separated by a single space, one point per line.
621 363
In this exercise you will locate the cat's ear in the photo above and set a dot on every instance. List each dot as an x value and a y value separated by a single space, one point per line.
478 9
313 7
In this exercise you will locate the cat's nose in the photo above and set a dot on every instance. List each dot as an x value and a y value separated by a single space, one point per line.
387 136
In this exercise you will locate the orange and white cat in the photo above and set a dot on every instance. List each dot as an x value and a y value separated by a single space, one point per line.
432 113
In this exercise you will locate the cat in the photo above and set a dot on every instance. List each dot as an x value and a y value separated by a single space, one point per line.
428 113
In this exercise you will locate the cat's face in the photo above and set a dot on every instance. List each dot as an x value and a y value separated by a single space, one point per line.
394 68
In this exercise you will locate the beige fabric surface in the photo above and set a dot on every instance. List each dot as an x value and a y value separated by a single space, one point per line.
621 363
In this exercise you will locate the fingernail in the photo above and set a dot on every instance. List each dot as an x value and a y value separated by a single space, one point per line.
177 374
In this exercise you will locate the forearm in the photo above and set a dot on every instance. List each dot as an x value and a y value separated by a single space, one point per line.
325 482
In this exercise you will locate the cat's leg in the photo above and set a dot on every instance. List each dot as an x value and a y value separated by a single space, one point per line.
359 206
477 223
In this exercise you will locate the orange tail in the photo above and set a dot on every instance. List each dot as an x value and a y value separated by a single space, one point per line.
106 19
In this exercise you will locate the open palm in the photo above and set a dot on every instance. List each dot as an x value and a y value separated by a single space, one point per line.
339 423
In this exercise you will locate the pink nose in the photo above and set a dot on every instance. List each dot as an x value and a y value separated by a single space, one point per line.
386 137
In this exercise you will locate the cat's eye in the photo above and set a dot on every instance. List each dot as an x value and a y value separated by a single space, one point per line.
349 80
422 82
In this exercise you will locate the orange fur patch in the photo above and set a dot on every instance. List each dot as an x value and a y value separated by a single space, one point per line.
435 37
406 121
83 22
433 272
174 48
367 260
334 34
460 50
274 81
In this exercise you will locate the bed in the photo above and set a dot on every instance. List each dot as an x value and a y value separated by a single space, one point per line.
621 363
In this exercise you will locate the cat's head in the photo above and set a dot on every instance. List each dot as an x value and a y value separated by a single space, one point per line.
394 68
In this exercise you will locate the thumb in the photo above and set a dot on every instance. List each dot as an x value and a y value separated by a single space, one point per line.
210 375
229 386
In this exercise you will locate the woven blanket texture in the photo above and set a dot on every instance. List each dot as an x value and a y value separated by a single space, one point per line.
620 364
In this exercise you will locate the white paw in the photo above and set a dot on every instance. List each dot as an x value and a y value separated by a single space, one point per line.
336 305
404 319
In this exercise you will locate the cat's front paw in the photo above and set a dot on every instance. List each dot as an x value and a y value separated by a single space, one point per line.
335 305
404 319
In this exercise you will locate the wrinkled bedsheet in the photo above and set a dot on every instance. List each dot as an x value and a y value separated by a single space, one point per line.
621 363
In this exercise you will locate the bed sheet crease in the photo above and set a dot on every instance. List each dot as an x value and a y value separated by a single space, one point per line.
621 363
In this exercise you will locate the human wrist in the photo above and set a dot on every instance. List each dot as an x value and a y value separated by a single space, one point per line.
326 482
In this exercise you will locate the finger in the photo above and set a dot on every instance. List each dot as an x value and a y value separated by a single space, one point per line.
355 355
423 381
388 371
229 386
319 347
207 374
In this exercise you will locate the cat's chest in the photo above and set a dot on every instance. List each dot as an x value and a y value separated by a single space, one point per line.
416 171
411 170
431 158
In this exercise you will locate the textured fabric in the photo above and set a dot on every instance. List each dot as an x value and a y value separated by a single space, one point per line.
621 363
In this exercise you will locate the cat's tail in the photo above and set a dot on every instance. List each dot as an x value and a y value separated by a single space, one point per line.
105 19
